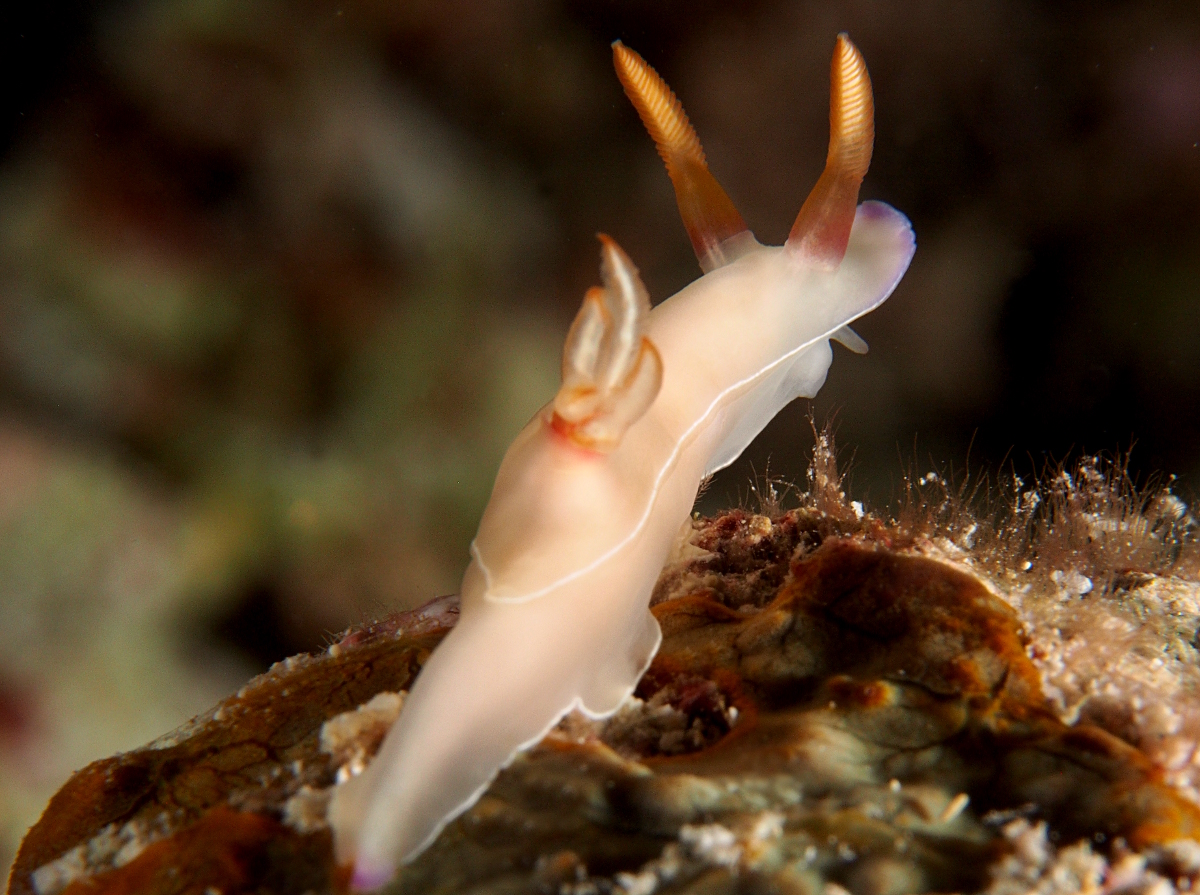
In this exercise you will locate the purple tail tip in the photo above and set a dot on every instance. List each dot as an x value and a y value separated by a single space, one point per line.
369 877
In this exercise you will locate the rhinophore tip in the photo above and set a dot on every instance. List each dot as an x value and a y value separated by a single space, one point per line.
822 228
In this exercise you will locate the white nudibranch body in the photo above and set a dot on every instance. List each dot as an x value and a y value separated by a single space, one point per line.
591 496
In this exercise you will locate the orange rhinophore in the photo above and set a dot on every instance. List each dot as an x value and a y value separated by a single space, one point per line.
708 214
822 227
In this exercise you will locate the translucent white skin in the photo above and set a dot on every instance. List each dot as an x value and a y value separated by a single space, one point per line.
555 603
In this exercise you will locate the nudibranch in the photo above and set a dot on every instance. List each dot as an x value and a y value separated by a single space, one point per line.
592 495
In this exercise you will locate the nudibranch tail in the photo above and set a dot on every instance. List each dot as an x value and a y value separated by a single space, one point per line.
708 214
822 227
611 370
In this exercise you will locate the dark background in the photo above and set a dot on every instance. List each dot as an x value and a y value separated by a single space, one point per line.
279 281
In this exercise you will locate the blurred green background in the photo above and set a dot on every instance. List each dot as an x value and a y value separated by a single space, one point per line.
279 281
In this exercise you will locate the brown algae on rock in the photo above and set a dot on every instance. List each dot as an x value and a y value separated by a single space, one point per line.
838 705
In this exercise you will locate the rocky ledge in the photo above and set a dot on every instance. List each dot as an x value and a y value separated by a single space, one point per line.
839 705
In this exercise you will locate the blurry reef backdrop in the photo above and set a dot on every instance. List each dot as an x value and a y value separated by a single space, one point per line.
280 281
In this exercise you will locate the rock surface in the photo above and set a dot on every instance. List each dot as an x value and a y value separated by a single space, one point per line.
838 705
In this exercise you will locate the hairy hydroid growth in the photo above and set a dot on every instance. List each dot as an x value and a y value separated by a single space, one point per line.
1089 519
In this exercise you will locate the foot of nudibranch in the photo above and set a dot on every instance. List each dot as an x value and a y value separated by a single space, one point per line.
611 371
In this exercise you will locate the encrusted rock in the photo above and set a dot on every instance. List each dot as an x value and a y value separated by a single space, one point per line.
834 708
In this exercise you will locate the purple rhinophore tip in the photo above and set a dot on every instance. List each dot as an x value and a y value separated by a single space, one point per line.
368 877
